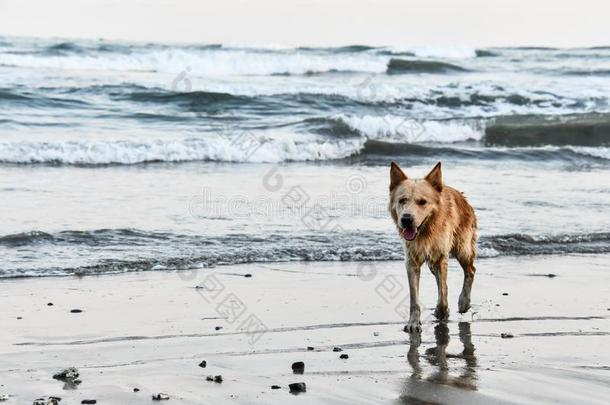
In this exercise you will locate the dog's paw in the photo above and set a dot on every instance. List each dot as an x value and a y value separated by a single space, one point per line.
413 326
463 304
441 313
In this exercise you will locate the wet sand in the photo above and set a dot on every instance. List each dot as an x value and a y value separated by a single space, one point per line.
151 330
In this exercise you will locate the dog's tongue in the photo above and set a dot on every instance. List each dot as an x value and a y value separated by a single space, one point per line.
409 234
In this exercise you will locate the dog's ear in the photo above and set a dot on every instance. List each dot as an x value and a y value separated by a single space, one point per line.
435 177
396 175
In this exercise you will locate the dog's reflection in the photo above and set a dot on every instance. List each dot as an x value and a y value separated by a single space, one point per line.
445 371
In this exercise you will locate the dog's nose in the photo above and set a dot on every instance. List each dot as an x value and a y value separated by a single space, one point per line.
406 220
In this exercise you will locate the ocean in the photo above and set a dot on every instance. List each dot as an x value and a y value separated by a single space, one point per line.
118 157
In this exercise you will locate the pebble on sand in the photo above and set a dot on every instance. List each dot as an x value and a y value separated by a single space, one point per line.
88 401
344 357
70 373
76 311
160 397
298 367
203 364
507 335
216 378
337 349
296 388
49 401
309 347
275 387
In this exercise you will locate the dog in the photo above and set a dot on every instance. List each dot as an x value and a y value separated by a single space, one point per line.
433 220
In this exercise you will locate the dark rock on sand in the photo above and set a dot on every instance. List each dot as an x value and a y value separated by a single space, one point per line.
298 367
88 401
218 328
47 401
309 347
160 397
203 364
216 378
296 388
76 311
248 275
50 304
507 335
136 390
70 373
504 293
337 349
275 387
344 357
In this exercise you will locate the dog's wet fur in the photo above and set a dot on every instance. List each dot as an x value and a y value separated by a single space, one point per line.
434 221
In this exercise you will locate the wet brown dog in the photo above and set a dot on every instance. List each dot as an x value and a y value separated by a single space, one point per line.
434 220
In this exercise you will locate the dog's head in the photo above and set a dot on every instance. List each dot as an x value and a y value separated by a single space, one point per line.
413 202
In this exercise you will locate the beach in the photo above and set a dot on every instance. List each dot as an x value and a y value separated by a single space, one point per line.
191 220
151 330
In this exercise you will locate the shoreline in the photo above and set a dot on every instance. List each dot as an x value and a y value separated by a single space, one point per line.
150 330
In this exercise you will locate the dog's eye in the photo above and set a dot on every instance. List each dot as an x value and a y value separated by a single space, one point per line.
421 201
402 201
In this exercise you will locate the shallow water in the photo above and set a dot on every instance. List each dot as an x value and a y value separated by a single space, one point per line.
117 157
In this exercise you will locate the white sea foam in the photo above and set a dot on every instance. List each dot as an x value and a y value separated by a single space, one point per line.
247 148
405 130
206 62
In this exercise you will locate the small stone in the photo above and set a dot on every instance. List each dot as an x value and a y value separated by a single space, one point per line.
218 328
507 335
19 318
88 401
209 378
551 275
337 349
70 373
309 347
203 364
76 311
50 304
136 390
504 293
160 397
218 379
296 388
298 367
275 387
344 357
47 401
375 333
248 275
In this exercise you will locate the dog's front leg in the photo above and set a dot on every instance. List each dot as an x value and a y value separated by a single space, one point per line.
439 269
413 272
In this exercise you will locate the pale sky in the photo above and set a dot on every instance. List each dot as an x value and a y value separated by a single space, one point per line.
316 22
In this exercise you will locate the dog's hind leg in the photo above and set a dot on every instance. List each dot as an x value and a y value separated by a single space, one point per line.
413 272
467 264
439 269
